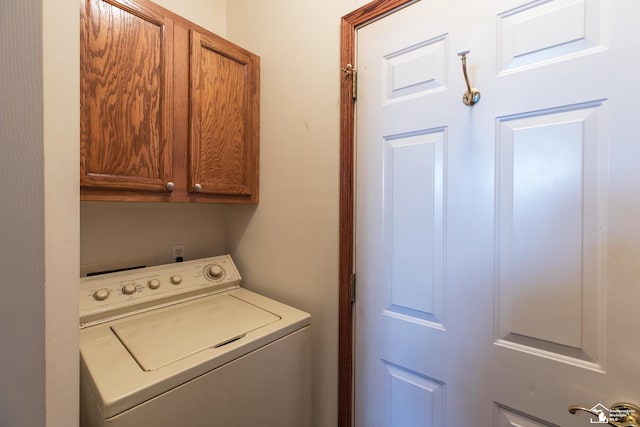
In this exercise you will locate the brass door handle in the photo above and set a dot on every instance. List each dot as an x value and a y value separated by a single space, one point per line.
619 415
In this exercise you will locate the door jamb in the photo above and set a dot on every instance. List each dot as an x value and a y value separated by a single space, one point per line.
349 24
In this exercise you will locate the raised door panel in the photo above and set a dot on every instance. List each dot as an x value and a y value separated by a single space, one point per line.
126 97
223 149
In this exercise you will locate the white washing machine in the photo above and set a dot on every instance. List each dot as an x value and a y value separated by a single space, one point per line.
184 344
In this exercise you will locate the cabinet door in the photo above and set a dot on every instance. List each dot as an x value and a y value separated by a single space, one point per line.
126 96
223 149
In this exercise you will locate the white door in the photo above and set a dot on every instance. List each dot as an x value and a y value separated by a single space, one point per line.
498 245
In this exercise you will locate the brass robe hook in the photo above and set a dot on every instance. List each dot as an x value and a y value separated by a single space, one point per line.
472 95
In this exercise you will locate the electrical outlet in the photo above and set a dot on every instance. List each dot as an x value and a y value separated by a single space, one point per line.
178 251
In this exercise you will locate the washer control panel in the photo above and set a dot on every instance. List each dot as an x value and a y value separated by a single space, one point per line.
113 295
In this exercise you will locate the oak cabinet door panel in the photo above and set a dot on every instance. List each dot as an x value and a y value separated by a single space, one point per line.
126 123
223 146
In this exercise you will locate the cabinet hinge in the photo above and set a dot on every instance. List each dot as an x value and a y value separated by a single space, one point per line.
352 290
350 71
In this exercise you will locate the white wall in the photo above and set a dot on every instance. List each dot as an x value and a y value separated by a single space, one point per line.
39 213
61 89
21 217
287 247
112 232
211 15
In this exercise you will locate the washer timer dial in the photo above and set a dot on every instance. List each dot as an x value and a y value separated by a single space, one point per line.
214 272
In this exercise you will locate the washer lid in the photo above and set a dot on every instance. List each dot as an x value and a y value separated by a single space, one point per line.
160 338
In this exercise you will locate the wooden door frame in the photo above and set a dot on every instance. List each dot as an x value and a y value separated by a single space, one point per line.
349 25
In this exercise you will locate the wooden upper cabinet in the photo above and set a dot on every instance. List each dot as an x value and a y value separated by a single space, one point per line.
126 97
169 111
224 123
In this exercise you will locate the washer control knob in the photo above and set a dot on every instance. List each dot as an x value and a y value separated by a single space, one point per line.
153 284
176 279
101 295
215 272
129 289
